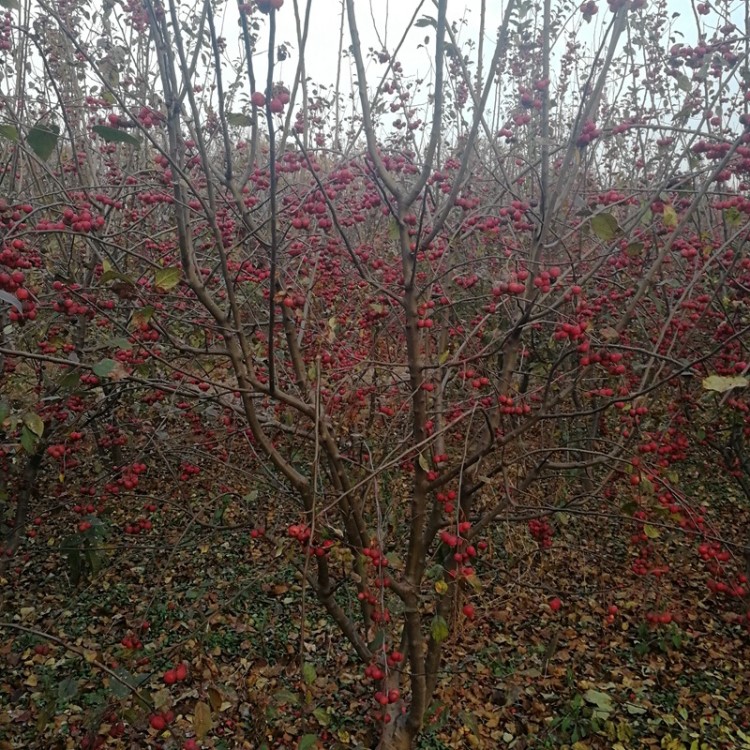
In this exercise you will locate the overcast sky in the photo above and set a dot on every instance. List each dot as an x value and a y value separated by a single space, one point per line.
383 22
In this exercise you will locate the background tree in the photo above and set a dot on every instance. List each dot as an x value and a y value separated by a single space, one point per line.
382 339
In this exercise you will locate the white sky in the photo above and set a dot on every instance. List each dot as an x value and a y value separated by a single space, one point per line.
386 20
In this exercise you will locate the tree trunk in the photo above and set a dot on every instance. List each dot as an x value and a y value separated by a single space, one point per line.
24 495
398 735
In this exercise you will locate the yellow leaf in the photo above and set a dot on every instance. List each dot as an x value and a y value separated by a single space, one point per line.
34 422
214 698
161 698
167 278
202 720
31 680
441 587
609 334
721 384
669 217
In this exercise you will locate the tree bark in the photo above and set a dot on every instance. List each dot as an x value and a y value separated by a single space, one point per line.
398 735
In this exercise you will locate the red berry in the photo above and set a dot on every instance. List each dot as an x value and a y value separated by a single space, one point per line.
157 722
181 672
170 677
555 604
469 611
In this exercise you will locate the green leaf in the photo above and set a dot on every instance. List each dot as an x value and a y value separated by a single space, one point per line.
724 383
470 722
285 697
9 131
120 343
11 299
43 139
28 440
69 380
113 275
167 278
307 742
683 82
634 249
602 702
67 689
439 629
308 673
239 119
93 559
34 422
426 21
634 710
733 216
104 368
651 531
605 227
378 641
114 135
322 716
118 689
70 546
